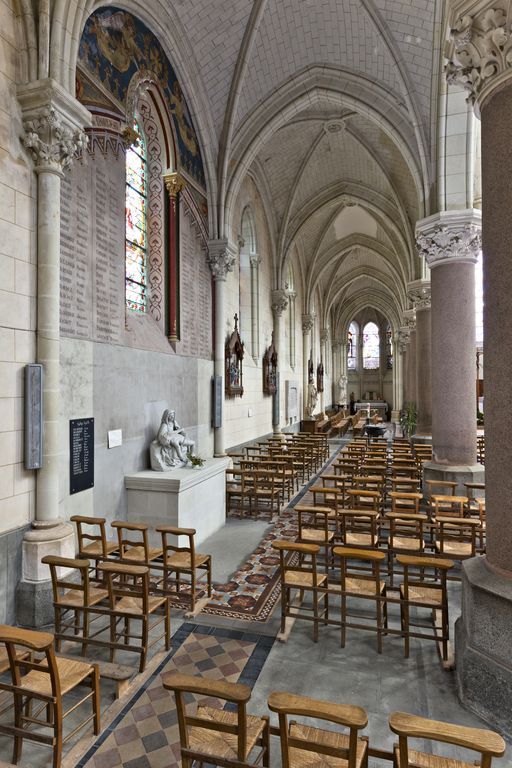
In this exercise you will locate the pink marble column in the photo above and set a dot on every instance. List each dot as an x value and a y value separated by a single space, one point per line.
497 264
450 242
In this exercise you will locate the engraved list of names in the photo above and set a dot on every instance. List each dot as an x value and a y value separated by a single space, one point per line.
92 248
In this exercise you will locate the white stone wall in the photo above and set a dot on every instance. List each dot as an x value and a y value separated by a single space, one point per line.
17 287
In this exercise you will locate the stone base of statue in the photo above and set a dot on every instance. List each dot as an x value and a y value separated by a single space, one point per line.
183 497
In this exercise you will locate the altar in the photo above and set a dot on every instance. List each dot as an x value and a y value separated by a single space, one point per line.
183 497
375 405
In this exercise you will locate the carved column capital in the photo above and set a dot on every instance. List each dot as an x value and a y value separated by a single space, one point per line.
409 320
254 260
221 258
324 335
308 322
174 183
54 125
481 48
279 301
336 345
419 293
450 236
403 338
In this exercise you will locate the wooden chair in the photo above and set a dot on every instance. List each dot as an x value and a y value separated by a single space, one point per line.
305 577
487 743
92 545
439 487
267 492
456 537
134 543
406 536
362 499
305 745
215 736
405 502
447 505
239 491
73 596
179 559
46 681
405 484
129 599
370 586
359 527
317 525
422 591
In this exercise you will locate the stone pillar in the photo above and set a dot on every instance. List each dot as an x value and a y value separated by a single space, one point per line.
308 322
293 357
399 345
279 306
481 62
409 320
324 338
336 369
419 291
255 262
450 243
221 259
53 122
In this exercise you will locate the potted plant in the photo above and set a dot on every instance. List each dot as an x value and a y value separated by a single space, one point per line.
409 419
195 461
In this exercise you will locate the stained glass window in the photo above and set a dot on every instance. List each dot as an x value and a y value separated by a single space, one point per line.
136 207
371 347
352 347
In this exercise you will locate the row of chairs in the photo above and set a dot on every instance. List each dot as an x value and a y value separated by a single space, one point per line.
231 737
357 574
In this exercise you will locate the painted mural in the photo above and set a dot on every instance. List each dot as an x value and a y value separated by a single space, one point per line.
114 47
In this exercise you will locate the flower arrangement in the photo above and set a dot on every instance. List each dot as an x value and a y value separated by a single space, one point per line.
196 461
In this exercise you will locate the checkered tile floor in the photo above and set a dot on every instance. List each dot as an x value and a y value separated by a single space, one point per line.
145 733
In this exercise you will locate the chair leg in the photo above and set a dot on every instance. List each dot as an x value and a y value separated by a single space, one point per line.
404 611
95 685
85 631
57 734
167 609
18 740
113 625
144 633
343 620
192 590
209 576
315 616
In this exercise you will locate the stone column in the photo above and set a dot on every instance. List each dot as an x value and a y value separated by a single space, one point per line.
399 345
450 243
279 306
481 40
410 323
53 123
255 262
293 358
419 292
221 259
308 322
336 369
324 338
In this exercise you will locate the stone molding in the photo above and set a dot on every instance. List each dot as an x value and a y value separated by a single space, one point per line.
279 301
54 123
409 320
254 260
324 335
221 258
403 338
449 237
481 55
336 345
419 293
308 322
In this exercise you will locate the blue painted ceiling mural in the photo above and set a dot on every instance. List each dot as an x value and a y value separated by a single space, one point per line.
114 47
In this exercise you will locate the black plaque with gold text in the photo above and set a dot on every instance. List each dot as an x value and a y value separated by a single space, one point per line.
81 454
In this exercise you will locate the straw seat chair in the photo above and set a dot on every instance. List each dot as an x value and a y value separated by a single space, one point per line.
487 743
365 586
317 525
182 559
456 537
215 736
47 682
73 594
133 543
422 591
93 545
129 599
359 527
306 746
406 536
304 577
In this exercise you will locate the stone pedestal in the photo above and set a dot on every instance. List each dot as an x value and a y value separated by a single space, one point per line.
34 597
465 473
482 642
187 498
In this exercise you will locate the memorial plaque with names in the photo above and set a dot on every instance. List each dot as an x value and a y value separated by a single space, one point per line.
81 454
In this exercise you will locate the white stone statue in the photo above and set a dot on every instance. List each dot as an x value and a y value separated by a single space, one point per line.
312 400
170 447
342 390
